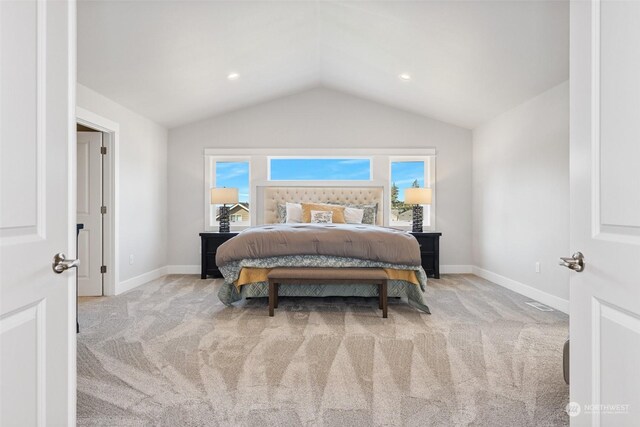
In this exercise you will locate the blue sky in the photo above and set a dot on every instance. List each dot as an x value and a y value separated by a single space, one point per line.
404 173
320 169
234 175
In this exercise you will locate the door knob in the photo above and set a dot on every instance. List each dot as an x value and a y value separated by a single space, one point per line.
61 263
575 262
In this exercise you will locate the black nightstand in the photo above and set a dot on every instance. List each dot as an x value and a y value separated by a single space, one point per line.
429 252
209 246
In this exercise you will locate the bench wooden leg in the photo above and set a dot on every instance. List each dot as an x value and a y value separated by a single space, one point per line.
276 294
380 295
384 298
272 297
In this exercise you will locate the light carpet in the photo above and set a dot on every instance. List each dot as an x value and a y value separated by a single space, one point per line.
168 353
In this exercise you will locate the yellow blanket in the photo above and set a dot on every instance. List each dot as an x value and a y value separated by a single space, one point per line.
254 275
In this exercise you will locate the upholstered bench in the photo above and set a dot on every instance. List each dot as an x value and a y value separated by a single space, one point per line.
301 276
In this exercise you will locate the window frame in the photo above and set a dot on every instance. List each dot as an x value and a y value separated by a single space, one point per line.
380 170
210 223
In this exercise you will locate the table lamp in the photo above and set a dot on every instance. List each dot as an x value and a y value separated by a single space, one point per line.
417 197
224 196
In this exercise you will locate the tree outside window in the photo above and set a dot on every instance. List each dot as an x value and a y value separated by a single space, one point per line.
404 174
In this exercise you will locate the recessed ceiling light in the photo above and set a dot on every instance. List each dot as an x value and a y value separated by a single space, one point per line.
405 76
233 76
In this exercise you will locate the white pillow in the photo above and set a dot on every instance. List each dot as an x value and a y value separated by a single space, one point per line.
294 213
353 215
321 217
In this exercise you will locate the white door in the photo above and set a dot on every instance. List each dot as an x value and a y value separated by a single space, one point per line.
37 212
605 213
90 248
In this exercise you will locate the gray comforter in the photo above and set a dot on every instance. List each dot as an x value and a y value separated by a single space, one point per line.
364 242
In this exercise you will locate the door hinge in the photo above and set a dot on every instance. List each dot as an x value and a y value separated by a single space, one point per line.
103 269
103 210
103 150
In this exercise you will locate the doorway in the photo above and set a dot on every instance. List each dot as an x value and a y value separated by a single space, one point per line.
91 209
87 121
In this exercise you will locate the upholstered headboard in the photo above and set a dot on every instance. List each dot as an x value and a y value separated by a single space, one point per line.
271 196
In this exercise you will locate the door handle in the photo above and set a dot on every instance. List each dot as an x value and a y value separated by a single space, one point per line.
61 263
575 262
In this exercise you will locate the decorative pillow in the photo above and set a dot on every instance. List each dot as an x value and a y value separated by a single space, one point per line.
294 213
370 214
338 211
353 215
321 217
281 213
370 211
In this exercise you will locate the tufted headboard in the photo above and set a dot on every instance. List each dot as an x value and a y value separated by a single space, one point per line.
271 196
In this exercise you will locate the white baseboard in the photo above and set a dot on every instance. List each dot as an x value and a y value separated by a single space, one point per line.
456 269
129 284
526 290
183 269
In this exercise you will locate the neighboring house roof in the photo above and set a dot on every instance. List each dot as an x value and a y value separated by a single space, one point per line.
235 208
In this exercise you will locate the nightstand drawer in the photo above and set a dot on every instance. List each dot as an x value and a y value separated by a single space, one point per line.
427 244
212 244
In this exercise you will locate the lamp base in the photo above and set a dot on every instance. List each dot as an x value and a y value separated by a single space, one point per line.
417 219
224 219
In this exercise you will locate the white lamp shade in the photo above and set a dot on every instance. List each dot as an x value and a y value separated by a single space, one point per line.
224 196
417 196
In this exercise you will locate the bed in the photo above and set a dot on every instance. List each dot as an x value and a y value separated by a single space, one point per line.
246 259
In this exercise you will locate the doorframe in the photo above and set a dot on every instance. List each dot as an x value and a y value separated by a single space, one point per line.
111 192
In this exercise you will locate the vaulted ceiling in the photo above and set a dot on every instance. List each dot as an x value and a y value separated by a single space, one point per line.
468 61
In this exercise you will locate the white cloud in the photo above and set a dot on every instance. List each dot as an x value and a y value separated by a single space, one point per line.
229 170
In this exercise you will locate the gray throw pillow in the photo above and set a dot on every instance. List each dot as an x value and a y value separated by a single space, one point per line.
370 211
281 213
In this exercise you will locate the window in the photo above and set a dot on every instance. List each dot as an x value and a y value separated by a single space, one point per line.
407 173
319 169
231 173
253 169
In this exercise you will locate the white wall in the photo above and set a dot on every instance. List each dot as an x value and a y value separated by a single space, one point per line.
521 197
319 118
143 185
